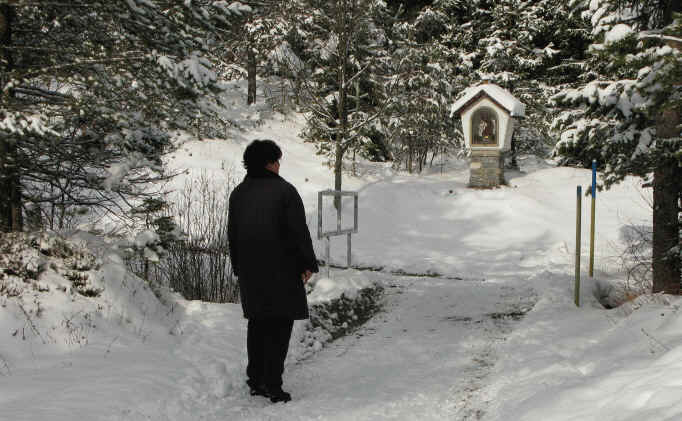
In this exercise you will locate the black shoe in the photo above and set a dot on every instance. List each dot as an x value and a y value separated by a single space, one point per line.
278 395
257 389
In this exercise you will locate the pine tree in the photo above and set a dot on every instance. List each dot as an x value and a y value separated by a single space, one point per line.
343 48
253 36
90 92
528 47
419 121
159 233
626 114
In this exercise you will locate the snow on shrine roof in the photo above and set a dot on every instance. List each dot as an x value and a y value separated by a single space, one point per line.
501 96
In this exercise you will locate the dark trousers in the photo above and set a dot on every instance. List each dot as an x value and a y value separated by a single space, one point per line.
267 344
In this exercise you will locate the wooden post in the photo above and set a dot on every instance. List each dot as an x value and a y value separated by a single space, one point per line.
593 192
328 257
577 245
349 259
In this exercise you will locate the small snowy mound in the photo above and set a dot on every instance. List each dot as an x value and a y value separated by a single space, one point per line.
56 294
617 33
337 307
326 289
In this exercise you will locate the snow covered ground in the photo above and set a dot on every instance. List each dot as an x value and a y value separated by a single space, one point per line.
479 320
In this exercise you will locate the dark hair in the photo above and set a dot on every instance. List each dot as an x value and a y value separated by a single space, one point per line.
259 153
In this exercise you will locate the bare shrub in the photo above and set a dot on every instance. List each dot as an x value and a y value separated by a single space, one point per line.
4 367
78 326
199 267
634 261
637 258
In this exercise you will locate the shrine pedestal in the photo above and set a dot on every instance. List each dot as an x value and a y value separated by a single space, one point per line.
486 168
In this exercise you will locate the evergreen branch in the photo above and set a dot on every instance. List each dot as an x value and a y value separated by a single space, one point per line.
79 63
18 3
349 81
23 47
376 115
51 95
645 35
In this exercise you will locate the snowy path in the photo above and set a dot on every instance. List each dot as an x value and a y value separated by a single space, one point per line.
422 358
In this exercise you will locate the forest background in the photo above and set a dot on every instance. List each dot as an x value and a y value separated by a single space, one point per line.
95 93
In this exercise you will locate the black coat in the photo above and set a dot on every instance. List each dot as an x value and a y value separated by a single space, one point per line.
270 246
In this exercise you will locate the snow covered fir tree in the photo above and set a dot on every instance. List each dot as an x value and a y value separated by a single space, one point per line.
628 115
122 129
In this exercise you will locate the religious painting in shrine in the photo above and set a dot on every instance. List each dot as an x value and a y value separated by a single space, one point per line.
484 128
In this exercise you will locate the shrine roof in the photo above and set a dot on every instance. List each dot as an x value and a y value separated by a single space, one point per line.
501 96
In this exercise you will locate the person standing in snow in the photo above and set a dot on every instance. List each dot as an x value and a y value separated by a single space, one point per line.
272 256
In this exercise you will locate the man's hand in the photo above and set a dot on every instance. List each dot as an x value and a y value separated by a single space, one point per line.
305 276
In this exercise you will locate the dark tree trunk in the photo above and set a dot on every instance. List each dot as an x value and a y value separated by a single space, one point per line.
514 151
667 193
10 192
666 261
341 146
10 198
251 70
671 6
409 156
338 168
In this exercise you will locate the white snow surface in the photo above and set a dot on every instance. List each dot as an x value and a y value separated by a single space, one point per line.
515 107
617 33
460 268
327 289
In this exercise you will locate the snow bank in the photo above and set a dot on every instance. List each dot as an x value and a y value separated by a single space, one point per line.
107 352
59 295
338 305
617 33
327 289
588 363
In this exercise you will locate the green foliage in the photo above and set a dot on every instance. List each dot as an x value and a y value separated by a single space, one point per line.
155 218
613 117
419 120
91 92
625 113
343 86
414 58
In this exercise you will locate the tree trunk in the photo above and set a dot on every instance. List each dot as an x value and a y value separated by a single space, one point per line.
338 167
409 156
667 193
342 51
433 156
10 192
672 6
667 197
251 71
514 150
666 259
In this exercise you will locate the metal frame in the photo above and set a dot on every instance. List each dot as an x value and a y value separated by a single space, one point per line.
328 234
